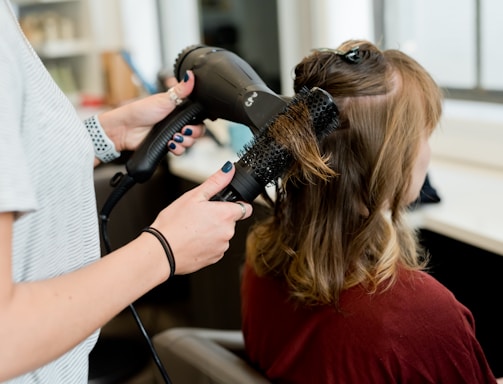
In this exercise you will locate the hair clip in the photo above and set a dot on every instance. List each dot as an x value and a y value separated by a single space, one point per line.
352 56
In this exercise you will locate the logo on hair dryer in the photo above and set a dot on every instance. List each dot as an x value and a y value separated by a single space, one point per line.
249 101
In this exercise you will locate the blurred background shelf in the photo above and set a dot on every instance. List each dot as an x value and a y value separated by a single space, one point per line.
61 32
63 48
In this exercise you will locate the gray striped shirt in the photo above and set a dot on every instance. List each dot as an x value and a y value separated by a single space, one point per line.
46 177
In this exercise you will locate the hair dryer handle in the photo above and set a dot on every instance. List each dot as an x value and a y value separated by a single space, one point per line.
148 155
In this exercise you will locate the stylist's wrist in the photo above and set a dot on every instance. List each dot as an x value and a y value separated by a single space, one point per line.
114 127
151 249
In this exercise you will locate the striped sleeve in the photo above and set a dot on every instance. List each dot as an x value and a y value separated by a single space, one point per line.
16 192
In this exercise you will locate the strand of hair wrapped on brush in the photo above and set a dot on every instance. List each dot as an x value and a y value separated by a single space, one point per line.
284 146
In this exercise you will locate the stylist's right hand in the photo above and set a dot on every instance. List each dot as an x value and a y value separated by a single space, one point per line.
197 229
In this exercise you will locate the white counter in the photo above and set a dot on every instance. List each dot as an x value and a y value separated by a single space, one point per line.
471 209
201 160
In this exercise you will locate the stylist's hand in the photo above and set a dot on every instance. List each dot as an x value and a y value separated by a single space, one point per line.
197 229
128 124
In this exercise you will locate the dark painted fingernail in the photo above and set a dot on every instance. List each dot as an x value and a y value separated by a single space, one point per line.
178 138
227 167
185 77
188 132
172 145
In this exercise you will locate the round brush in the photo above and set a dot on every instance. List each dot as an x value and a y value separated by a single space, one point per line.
269 155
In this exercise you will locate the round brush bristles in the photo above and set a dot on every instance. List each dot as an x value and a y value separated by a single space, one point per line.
288 145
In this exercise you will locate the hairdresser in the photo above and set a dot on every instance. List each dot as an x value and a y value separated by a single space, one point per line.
335 288
55 290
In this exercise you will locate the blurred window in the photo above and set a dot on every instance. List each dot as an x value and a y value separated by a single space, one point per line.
457 41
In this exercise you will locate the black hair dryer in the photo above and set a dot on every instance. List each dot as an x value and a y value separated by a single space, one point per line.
226 87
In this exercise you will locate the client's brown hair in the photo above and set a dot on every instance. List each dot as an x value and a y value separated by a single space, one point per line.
329 235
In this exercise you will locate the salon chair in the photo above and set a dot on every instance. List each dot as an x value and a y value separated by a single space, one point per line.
205 356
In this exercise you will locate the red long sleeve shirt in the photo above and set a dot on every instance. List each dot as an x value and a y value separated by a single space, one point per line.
416 332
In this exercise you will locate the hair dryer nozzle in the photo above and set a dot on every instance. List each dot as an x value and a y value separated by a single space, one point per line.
228 87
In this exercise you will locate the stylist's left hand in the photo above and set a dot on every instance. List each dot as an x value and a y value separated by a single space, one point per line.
128 124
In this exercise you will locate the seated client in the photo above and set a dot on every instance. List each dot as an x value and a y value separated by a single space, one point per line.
335 287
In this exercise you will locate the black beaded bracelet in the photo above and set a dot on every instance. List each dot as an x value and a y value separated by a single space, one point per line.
165 245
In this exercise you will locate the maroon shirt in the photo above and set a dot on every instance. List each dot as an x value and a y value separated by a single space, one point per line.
416 332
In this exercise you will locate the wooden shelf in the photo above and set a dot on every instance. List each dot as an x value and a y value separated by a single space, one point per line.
61 32
63 48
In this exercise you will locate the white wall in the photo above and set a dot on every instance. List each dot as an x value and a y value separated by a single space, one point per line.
306 24
180 27
134 25
469 133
